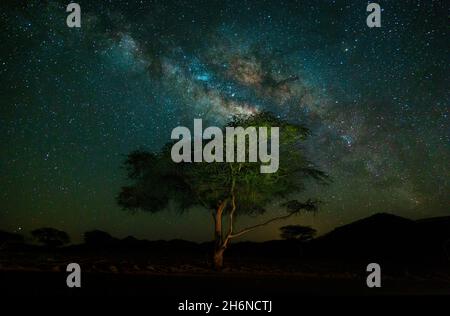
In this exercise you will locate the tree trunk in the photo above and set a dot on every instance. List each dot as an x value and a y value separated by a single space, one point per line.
218 258
218 247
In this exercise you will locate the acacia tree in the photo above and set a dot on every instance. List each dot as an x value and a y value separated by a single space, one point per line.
297 232
225 189
51 237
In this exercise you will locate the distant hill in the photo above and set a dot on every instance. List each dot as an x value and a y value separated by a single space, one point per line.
388 237
373 229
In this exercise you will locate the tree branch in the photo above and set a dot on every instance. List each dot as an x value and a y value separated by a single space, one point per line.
294 206
233 206
231 216
249 229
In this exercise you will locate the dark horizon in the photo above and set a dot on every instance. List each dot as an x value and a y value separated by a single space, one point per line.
78 240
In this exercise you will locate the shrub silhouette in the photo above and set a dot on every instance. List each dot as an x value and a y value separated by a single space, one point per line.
297 232
51 237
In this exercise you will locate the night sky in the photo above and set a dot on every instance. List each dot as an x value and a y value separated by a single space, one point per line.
74 102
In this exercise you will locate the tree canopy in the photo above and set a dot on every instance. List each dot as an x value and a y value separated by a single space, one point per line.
157 180
297 232
51 237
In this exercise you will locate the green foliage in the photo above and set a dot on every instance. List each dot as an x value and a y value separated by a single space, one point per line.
157 180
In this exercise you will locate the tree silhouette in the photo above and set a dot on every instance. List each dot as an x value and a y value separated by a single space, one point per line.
225 189
51 237
297 232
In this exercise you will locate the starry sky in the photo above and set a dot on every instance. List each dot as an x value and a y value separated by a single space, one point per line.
75 101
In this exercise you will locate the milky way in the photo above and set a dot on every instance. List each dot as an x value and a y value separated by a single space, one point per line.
74 102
